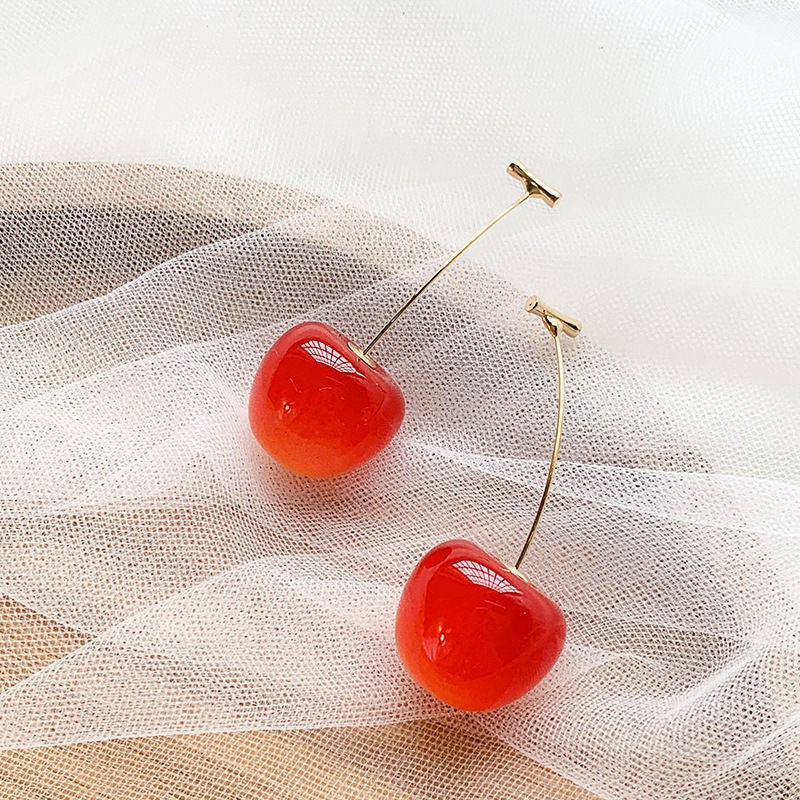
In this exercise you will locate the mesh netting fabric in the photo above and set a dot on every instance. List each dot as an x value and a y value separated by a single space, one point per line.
162 576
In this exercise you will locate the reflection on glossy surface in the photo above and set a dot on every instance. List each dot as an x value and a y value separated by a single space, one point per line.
325 354
474 633
484 576
317 408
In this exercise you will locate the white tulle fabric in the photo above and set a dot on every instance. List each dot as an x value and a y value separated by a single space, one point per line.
210 591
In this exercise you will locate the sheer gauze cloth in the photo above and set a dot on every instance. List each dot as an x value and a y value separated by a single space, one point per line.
181 615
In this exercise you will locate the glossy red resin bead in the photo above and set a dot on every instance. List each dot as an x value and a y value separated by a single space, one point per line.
319 409
473 632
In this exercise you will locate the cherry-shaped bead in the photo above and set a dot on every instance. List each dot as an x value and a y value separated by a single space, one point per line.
474 632
318 406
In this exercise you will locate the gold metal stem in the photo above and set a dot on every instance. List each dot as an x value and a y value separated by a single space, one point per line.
533 188
556 323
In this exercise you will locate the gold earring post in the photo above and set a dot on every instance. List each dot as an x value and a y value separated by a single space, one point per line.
533 188
556 323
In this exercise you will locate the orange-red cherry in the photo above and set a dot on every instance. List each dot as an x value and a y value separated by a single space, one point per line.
320 408
474 632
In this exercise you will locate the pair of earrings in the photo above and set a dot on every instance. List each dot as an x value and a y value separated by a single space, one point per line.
469 629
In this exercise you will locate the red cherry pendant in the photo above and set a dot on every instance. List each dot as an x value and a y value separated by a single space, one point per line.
318 407
472 631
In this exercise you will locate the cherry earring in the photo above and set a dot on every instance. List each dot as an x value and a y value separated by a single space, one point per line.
471 630
319 404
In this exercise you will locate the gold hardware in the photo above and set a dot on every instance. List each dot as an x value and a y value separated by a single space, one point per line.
570 326
556 323
533 188
362 355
